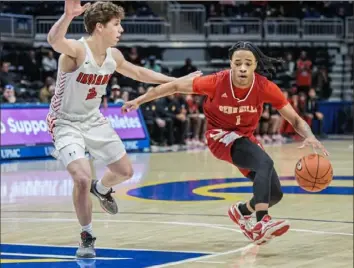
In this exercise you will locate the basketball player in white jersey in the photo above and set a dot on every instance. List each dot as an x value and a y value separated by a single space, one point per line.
74 119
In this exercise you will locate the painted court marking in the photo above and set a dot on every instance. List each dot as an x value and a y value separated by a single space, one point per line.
57 256
215 226
201 259
135 249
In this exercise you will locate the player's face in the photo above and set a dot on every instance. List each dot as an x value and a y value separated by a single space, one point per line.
112 31
243 64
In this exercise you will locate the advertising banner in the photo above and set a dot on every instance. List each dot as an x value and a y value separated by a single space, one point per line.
26 127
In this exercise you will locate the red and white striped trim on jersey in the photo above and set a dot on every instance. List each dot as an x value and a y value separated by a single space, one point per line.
59 92
51 125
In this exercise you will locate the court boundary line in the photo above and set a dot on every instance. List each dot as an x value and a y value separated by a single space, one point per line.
198 259
58 256
127 249
171 214
215 226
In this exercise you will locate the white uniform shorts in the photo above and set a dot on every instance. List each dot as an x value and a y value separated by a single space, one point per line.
95 135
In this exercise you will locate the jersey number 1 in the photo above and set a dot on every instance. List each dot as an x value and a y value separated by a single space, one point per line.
92 94
238 119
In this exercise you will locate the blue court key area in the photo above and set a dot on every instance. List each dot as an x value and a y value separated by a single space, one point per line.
183 190
29 256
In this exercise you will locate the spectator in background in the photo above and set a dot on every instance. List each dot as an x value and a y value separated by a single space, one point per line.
6 77
117 95
174 110
212 11
322 83
288 71
9 95
32 67
187 68
160 126
287 128
133 56
49 65
195 122
274 125
152 65
312 112
303 73
264 124
46 93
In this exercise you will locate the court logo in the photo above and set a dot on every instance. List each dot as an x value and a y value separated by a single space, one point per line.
230 189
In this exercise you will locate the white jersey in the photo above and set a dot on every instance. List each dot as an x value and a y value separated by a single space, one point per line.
78 94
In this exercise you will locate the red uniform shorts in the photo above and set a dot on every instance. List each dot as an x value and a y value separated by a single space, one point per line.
220 142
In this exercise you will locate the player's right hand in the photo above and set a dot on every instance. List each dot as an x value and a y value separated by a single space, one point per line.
130 106
312 141
73 8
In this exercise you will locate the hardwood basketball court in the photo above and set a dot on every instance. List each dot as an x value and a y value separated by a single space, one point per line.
173 213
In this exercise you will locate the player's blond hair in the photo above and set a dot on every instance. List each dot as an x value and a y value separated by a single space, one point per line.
101 12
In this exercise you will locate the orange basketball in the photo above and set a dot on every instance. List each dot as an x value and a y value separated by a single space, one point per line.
313 173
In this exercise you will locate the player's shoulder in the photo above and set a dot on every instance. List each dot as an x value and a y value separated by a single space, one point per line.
117 55
261 82
223 74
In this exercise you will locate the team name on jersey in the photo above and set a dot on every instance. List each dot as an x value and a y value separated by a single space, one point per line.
235 110
93 79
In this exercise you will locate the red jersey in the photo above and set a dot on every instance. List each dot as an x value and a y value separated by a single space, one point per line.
303 73
233 109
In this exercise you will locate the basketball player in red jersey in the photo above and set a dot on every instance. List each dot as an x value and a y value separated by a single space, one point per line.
233 107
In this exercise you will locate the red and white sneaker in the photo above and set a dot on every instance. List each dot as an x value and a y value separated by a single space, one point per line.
266 229
244 222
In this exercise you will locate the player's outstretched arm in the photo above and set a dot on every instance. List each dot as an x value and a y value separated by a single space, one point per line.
181 85
272 94
301 127
56 36
138 73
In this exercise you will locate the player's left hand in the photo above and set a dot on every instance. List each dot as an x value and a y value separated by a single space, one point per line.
312 141
130 106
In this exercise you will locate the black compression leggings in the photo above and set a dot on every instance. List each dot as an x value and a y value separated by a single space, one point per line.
266 184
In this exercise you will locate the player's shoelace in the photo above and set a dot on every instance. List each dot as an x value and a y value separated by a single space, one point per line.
108 195
87 240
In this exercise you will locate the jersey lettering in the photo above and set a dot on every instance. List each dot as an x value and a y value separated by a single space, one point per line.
93 79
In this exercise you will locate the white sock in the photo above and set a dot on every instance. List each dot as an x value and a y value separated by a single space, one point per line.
87 228
101 188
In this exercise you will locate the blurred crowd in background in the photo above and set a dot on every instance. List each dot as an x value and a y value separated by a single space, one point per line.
29 76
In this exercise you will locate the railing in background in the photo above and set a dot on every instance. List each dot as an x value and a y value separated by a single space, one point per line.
135 28
187 21
15 26
282 28
226 29
323 29
349 29
145 28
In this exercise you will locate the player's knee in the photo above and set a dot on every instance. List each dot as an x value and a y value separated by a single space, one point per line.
81 180
266 163
127 172
275 199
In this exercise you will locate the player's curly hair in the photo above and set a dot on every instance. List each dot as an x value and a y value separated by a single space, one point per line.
265 64
101 12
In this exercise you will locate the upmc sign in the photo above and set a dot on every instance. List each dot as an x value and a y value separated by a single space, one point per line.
27 126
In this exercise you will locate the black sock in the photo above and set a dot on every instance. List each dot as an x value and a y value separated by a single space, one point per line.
260 214
244 210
